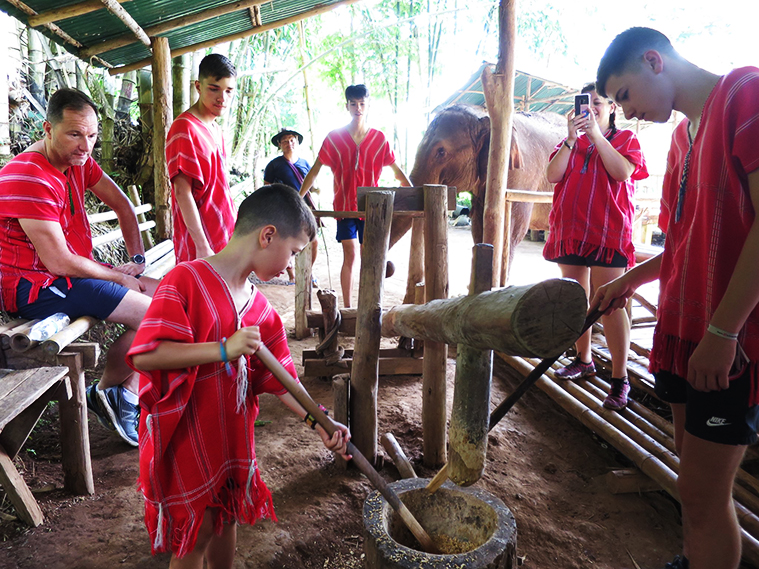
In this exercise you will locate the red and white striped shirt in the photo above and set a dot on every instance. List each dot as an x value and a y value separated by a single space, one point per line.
196 449
31 188
192 150
590 209
354 165
702 248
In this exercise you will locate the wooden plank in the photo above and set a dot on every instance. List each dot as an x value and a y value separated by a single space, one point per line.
347 324
110 215
18 492
519 196
405 199
116 234
383 353
20 388
15 433
387 366
159 251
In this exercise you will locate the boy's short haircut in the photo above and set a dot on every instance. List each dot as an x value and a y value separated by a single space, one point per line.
216 66
71 99
626 50
355 92
278 205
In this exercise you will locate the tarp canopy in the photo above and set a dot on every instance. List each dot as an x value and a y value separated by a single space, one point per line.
96 33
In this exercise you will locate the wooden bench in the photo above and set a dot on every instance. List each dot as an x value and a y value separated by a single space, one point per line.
69 358
24 394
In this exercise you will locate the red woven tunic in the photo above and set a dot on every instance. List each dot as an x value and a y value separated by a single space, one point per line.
353 165
192 150
30 188
591 210
197 448
701 249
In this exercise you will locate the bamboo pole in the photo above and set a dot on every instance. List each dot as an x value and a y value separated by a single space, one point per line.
161 122
306 94
365 367
321 9
302 396
468 430
168 26
115 8
643 459
181 78
434 383
498 88
72 11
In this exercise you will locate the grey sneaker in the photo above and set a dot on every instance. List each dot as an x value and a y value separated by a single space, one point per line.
124 416
93 405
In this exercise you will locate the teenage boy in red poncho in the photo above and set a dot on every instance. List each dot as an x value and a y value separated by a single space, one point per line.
200 382
706 342
201 205
356 154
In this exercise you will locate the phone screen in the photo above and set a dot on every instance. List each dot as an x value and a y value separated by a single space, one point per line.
582 103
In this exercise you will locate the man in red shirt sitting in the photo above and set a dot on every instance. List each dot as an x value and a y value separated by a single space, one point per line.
46 261
356 154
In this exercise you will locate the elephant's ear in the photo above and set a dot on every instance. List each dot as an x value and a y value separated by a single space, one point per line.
515 156
482 148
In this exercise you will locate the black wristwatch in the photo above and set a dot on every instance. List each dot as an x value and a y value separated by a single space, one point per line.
138 259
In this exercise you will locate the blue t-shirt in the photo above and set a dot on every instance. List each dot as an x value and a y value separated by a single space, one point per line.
280 171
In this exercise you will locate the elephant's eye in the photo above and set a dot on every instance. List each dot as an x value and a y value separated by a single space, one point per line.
440 152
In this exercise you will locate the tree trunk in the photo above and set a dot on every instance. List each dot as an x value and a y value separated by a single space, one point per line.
499 96
181 75
127 95
542 319
161 124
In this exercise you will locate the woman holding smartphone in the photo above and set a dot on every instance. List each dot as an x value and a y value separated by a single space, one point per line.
591 220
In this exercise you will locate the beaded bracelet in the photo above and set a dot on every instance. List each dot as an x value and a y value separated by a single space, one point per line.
721 333
224 358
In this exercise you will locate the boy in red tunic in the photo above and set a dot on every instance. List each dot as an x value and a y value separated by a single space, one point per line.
706 342
356 155
201 205
200 382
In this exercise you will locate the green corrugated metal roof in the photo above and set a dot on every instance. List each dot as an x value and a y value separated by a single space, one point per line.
531 93
93 28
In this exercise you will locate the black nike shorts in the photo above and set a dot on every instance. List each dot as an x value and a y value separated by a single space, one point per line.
723 417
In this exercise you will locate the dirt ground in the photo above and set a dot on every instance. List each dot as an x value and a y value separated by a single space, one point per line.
545 466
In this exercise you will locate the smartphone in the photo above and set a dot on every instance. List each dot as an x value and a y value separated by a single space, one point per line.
582 104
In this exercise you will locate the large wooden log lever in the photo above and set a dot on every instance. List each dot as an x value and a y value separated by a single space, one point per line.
500 411
302 396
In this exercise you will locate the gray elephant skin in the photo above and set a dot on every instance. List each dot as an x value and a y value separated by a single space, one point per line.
454 152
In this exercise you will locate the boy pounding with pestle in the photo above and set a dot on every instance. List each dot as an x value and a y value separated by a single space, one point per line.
200 382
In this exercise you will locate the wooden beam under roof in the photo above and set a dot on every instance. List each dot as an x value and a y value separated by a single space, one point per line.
52 27
169 26
71 11
239 35
115 8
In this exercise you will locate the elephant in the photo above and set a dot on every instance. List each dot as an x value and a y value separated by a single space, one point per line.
454 152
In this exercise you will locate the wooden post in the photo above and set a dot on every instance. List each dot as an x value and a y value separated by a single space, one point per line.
415 260
161 63
405 469
470 415
499 97
303 292
181 75
365 369
506 244
435 353
134 195
75 436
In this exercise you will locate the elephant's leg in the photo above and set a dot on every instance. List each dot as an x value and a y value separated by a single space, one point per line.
520 223
398 228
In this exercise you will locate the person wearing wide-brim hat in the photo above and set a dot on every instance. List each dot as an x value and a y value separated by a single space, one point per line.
290 169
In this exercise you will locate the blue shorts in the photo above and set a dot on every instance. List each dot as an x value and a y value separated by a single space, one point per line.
86 297
350 229
723 417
